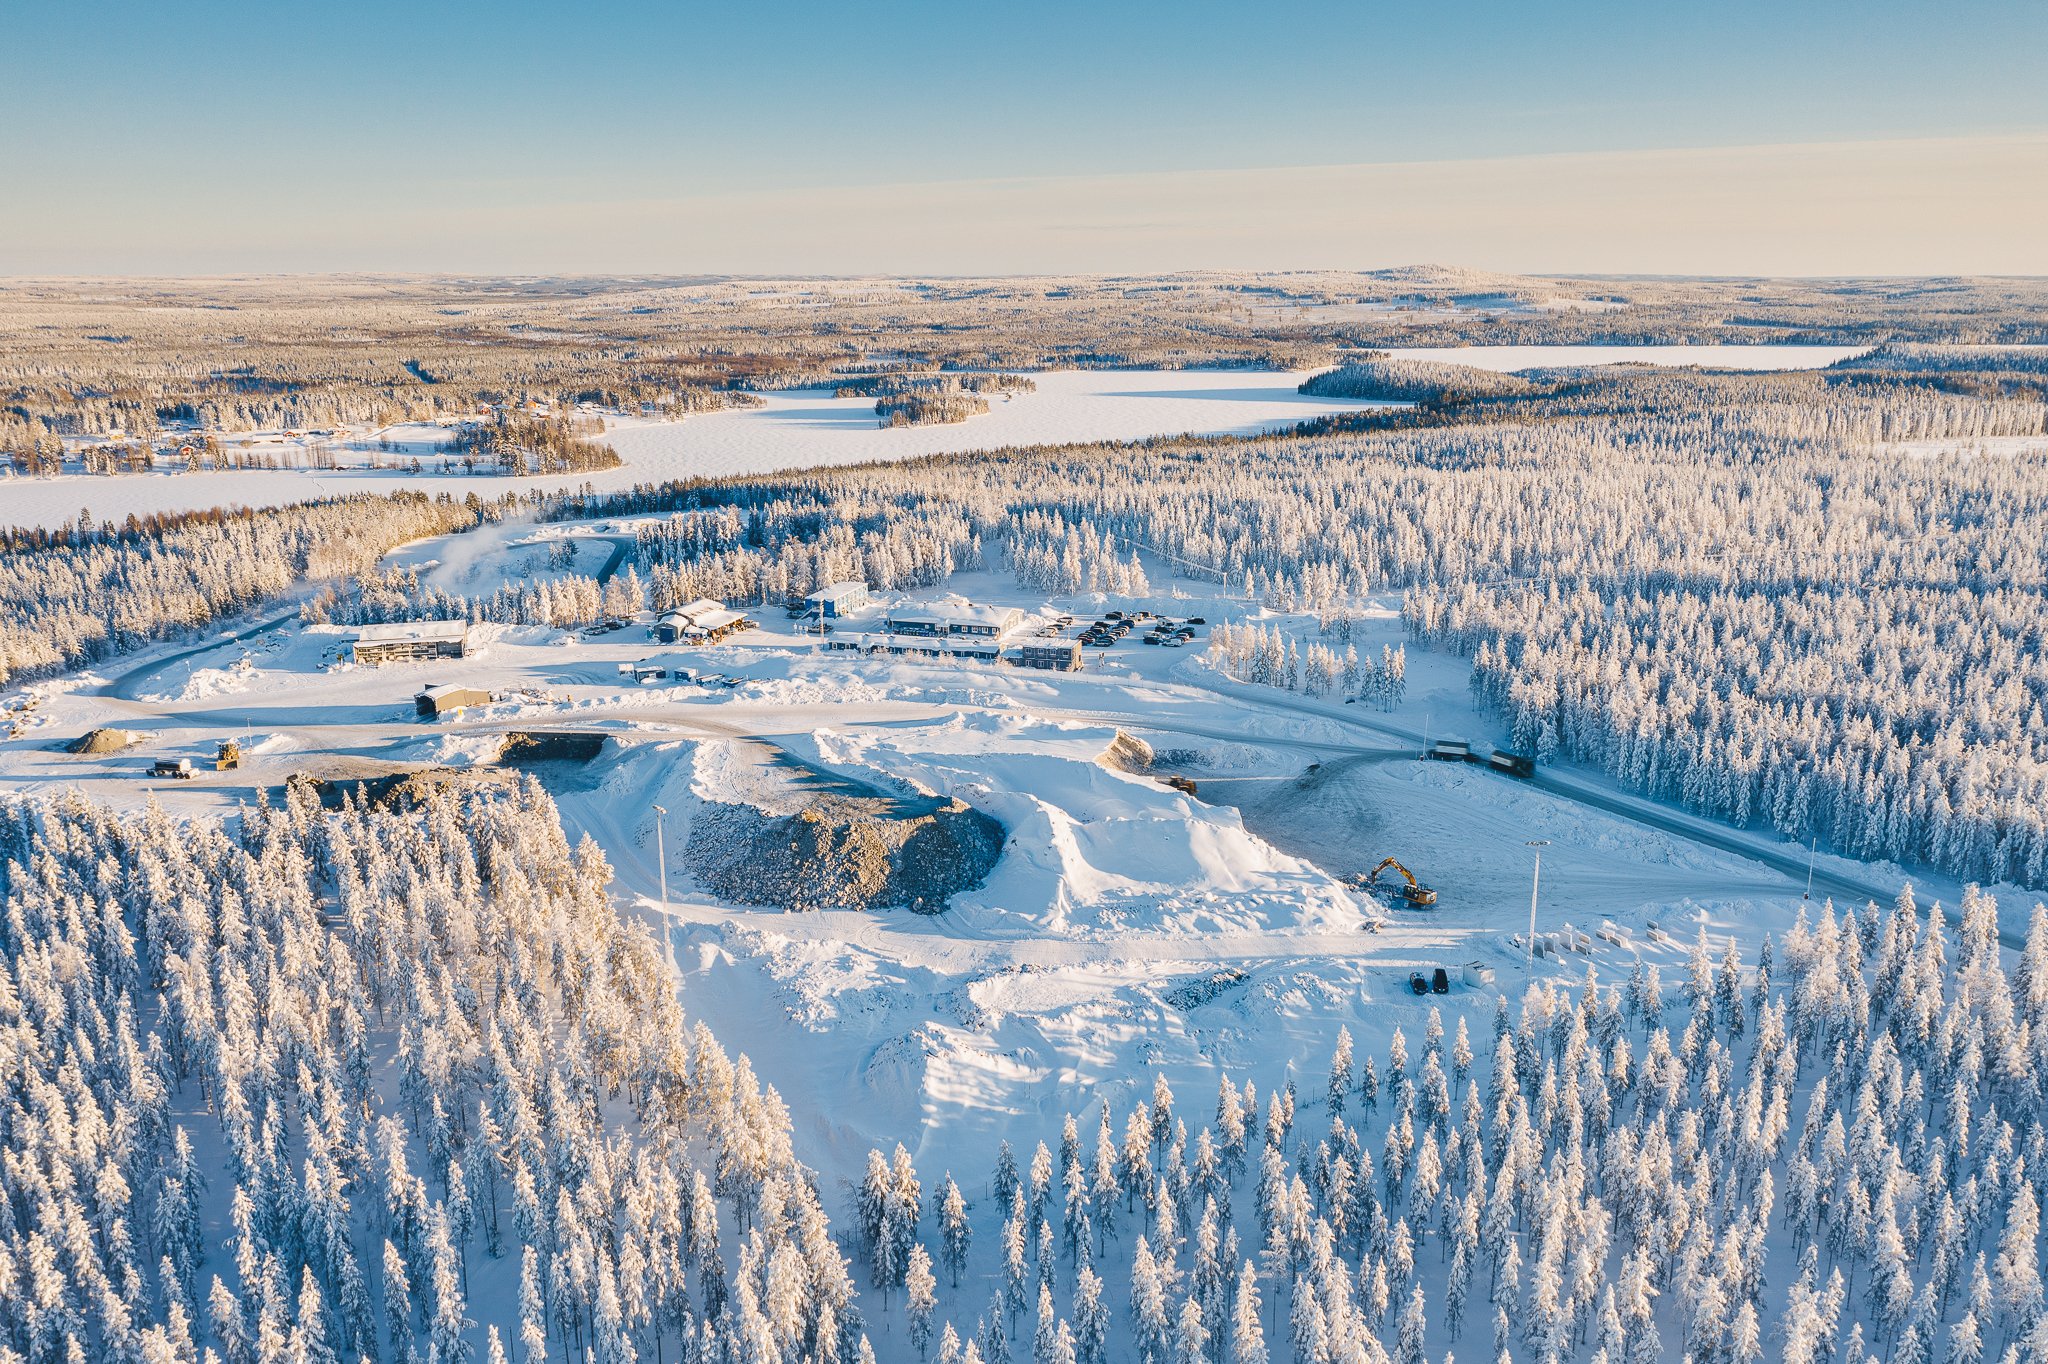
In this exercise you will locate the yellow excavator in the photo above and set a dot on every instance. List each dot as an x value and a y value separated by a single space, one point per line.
1414 894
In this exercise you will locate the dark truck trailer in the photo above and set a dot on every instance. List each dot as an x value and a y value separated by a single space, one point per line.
1513 764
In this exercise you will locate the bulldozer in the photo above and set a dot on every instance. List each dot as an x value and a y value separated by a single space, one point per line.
1413 893
230 755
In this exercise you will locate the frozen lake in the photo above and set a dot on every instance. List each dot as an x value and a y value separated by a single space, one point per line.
796 430
1515 358
807 429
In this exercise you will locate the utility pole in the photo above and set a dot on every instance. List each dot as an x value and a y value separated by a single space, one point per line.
1535 879
1812 852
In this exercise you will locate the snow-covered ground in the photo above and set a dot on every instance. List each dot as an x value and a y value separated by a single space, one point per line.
1128 928
1508 359
2002 447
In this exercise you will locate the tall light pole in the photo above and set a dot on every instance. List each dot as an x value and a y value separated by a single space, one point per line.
1535 879
661 861
1812 852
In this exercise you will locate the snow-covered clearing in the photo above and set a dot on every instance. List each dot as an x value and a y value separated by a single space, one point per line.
1127 928
2001 447
1510 359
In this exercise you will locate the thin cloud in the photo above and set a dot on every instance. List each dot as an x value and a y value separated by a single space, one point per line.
1968 205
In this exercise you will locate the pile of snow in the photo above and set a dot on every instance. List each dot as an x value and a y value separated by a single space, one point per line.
1093 850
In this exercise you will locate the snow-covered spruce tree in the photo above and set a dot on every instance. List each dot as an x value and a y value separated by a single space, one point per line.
1851 1160
240 989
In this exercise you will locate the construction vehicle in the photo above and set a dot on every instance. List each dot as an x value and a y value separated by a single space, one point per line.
1413 893
230 755
179 769
1182 784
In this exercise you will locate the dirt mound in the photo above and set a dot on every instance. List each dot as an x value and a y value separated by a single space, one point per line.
1127 753
539 747
105 741
841 853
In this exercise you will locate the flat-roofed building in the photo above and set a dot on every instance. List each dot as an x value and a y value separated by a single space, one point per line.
954 620
834 600
966 648
1059 655
411 641
445 698
715 625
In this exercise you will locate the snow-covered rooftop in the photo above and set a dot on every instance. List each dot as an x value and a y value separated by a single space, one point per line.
958 613
717 620
394 632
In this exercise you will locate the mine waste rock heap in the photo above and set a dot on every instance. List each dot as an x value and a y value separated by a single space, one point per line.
845 852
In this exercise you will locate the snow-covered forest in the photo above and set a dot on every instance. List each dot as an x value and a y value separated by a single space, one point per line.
372 1084
71 599
378 1086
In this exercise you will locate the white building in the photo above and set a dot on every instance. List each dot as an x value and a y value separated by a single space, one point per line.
957 620
678 623
411 641
838 599
715 625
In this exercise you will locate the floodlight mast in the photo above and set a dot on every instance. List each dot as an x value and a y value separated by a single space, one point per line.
1535 879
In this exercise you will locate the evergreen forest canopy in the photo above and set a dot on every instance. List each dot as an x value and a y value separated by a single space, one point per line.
401 1085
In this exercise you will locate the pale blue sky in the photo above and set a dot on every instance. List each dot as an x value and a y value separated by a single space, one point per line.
221 136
